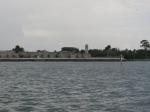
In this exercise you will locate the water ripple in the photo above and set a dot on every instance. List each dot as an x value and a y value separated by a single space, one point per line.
74 87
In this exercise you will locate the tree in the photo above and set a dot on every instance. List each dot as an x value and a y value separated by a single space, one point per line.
82 51
107 49
18 49
145 44
96 52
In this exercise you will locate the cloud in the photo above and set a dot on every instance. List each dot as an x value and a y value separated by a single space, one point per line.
51 24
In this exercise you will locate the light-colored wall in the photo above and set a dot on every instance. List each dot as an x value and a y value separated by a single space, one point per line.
11 54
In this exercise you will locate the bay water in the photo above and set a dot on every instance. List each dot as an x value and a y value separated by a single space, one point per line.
74 87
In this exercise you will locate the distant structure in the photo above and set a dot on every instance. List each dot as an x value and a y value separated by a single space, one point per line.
66 52
86 49
87 55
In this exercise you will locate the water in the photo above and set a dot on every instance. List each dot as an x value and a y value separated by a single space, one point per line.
75 87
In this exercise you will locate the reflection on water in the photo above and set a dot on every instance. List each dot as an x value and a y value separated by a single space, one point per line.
75 87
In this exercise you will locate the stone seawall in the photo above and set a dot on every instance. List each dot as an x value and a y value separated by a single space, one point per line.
60 59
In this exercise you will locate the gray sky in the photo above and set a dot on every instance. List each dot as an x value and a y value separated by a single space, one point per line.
52 24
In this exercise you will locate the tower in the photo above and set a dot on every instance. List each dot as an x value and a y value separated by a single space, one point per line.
86 49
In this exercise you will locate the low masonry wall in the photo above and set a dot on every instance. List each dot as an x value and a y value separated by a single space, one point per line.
60 59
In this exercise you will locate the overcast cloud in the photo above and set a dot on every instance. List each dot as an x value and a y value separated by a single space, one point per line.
52 24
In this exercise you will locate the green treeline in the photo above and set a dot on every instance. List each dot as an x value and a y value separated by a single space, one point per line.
108 51
114 52
143 53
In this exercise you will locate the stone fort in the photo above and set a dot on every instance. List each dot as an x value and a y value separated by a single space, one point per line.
66 52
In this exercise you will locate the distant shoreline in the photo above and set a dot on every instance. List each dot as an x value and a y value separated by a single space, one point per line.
68 60
138 60
61 59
